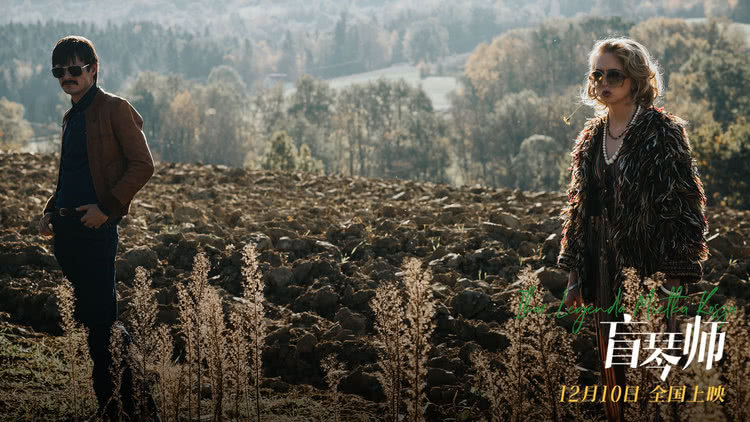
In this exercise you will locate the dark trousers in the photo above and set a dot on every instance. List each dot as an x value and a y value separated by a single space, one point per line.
87 259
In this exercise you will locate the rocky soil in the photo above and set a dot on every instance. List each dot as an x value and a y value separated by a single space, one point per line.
326 243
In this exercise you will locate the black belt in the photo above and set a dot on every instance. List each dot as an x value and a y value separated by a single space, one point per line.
69 212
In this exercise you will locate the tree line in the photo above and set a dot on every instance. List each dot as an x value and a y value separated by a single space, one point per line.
525 80
504 127
368 38
380 129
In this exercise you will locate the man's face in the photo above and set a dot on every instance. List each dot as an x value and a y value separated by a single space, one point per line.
76 86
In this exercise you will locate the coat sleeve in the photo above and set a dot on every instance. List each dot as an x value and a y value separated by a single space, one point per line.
679 206
573 215
127 125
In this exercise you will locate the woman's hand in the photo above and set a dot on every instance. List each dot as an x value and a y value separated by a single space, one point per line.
573 291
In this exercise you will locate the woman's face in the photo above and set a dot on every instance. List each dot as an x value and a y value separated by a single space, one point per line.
611 83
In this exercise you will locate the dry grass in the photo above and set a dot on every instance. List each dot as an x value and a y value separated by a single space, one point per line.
238 355
390 342
537 362
253 295
234 378
79 392
696 375
142 351
731 372
334 373
117 371
226 357
191 317
736 368
403 339
223 352
34 378
215 347
420 312
490 383
645 379
230 354
170 377
47 378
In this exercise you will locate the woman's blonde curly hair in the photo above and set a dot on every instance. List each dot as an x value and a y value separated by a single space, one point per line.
639 66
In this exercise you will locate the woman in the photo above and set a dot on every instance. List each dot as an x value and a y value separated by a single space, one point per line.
635 199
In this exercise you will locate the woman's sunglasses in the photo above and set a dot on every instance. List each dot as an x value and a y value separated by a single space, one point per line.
615 78
59 72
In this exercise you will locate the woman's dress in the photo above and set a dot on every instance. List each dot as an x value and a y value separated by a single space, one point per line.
601 265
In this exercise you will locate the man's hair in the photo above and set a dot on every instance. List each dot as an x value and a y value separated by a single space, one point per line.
638 64
68 48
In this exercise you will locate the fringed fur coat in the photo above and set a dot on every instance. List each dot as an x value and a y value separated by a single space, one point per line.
659 204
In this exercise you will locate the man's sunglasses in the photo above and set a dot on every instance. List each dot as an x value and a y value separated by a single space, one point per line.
615 78
59 72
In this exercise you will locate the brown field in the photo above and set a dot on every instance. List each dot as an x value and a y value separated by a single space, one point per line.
325 245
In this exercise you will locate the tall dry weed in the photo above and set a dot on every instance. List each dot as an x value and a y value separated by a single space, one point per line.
80 394
736 369
636 294
492 384
252 293
192 319
403 339
245 343
117 372
390 342
334 372
214 340
238 355
420 313
142 350
505 389
538 360
170 376
695 375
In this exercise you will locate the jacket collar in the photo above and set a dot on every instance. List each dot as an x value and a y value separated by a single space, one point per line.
86 100
90 101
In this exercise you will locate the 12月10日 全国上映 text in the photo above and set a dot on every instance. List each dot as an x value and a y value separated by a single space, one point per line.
633 393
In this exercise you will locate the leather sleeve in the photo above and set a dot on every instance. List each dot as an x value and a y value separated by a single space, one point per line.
127 125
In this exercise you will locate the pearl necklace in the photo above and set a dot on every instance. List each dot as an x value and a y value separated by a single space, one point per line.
604 138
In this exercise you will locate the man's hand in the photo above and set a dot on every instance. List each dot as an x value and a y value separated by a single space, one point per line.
94 217
44 225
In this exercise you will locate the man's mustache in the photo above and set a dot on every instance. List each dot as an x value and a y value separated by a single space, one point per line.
70 83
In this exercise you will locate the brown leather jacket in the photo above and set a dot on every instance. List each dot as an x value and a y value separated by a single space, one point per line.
119 157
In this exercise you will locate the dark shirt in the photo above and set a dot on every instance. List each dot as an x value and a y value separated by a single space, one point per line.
76 185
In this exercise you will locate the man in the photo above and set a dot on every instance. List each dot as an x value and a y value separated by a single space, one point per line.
104 161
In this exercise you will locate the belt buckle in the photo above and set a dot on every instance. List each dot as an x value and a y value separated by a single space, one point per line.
66 212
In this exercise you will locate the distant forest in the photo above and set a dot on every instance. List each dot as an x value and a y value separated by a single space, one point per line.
212 98
276 40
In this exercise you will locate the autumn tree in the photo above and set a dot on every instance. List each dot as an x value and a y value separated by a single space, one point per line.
225 132
180 130
227 75
539 163
15 131
426 41
281 154
722 77
722 157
